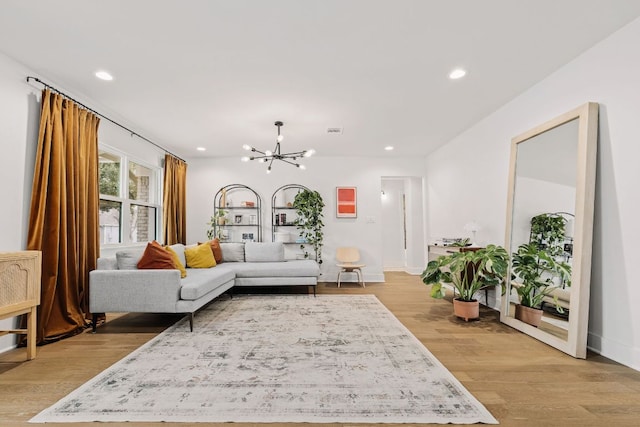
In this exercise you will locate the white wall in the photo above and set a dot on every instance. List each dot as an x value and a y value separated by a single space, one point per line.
469 177
206 176
19 119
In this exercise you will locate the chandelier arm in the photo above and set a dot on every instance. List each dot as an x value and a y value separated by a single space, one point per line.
296 154
291 163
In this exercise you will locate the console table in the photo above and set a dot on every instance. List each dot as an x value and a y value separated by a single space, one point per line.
20 292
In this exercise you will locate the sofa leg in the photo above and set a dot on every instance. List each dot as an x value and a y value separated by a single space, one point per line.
94 323
191 322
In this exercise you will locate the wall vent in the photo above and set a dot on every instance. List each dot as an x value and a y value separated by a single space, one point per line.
334 131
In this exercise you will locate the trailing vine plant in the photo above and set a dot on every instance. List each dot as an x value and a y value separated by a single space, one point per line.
309 205
547 233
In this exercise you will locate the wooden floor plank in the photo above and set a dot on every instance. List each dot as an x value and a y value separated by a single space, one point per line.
521 381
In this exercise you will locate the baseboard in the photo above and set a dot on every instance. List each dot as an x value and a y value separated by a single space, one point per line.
616 351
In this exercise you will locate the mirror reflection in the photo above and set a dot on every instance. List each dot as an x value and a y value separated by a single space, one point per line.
542 229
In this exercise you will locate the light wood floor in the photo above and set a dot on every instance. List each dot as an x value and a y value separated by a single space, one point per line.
520 380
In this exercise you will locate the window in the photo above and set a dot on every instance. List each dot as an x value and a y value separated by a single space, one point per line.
129 199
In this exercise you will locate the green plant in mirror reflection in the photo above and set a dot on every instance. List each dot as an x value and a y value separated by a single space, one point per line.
534 271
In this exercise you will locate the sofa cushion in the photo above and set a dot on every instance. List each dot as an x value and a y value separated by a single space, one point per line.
294 268
128 259
155 257
199 256
264 252
200 282
176 261
178 248
232 252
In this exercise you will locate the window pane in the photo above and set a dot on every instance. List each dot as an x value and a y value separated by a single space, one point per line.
139 182
143 224
110 213
109 173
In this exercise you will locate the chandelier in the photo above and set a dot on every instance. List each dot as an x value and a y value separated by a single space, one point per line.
269 156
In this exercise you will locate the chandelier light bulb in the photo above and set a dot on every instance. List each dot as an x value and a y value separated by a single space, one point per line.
303 167
279 138
309 153
269 170
245 159
268 153
457 74
246 147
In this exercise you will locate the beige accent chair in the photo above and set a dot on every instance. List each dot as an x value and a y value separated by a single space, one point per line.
348 258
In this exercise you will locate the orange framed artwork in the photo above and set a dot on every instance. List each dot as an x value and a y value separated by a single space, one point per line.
346 202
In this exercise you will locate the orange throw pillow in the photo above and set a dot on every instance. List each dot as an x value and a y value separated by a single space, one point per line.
155 257
216 249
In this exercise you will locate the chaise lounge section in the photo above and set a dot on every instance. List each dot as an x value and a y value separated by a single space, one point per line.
118 286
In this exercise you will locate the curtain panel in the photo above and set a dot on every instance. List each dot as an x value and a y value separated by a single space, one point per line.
63 221
174 206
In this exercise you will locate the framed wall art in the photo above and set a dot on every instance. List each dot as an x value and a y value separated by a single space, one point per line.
346 202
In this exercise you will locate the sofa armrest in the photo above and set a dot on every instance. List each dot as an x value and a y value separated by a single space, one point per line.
150 291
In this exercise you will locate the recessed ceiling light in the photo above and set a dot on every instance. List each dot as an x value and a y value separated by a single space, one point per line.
201 149
389 148
103 75
457 73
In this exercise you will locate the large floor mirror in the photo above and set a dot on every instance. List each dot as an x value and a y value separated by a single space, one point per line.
549 230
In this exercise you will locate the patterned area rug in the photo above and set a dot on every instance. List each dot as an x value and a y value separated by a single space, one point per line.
286 358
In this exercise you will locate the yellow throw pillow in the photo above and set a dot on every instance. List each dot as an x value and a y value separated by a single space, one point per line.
200 256
176 261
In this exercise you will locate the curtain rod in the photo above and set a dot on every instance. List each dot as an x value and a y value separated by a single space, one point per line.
48 86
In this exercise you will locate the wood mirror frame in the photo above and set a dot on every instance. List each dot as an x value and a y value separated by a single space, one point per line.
574 341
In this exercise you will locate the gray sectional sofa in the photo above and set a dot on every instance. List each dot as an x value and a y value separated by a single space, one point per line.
117 285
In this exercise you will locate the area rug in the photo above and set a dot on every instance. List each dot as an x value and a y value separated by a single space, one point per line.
284 358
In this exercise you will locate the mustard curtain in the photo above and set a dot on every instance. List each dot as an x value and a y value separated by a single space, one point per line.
174 209
63 221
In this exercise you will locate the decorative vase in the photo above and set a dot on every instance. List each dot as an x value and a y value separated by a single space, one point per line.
532 316
466 309
221 220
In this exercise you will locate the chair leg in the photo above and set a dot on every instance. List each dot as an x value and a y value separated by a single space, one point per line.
339 273
360 278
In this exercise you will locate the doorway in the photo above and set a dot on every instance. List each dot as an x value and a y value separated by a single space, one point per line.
402 223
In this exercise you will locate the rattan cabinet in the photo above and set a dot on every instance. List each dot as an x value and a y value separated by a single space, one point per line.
20 292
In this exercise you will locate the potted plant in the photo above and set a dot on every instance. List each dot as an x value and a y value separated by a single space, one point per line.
534 271
468 271
309 205
219 218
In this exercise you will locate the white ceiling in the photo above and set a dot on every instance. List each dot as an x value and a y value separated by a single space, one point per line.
217 73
